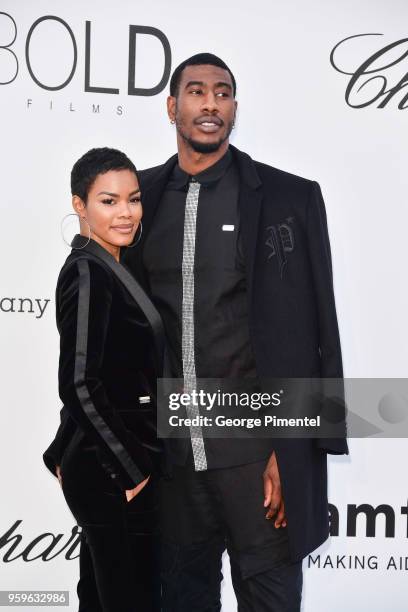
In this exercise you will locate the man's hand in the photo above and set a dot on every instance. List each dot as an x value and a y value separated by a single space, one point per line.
273 494
131 493
58 472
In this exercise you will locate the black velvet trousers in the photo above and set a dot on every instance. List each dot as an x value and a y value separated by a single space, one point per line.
119 559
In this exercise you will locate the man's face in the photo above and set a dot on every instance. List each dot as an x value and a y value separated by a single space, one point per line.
204 109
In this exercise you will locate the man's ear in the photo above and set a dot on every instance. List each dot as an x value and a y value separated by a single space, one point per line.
171 108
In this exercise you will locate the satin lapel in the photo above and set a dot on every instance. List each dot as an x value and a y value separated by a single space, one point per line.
250 205
133 287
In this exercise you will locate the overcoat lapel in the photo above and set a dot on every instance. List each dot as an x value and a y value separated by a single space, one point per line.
152 190
250 205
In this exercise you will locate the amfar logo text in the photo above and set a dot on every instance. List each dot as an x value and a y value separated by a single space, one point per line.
8 53
370 514
370 80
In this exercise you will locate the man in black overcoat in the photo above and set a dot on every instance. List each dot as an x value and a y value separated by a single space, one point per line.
236 257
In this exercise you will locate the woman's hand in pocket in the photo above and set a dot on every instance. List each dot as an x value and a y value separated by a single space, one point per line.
131 493
58 473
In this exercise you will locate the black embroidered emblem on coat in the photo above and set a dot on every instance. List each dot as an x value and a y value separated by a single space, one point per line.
280 240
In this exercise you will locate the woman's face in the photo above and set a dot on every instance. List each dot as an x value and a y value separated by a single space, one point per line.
113 209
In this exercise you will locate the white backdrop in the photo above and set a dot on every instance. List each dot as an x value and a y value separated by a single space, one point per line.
293 115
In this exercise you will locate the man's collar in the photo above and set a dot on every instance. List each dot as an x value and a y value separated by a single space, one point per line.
179 178
155 180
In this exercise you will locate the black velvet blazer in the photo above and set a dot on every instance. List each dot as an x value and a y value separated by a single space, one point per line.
110 352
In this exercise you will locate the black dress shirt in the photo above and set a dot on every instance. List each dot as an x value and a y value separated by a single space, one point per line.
222 343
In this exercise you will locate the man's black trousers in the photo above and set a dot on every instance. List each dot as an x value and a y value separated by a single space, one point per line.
205 513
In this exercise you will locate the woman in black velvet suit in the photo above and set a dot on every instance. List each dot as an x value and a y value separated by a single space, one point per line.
108 455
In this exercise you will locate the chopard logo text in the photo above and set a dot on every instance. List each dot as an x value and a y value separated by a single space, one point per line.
379 78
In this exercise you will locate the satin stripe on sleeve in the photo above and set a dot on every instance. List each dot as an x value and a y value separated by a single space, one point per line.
80 377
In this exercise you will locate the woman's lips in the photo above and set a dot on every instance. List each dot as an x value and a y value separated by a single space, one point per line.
123 229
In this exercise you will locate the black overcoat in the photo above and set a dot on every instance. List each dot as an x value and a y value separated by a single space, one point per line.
292 315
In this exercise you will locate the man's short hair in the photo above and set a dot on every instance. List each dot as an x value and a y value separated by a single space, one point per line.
199 59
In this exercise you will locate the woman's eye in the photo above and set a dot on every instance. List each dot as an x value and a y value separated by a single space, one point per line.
196 91
135 200
108 201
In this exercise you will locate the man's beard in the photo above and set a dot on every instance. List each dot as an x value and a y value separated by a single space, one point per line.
205 147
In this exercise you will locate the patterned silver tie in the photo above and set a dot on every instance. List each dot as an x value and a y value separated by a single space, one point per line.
189 370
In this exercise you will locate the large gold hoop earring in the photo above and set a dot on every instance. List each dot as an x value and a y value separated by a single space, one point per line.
62 231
